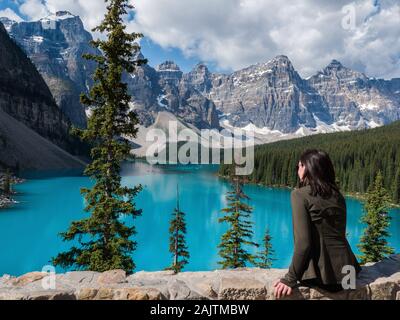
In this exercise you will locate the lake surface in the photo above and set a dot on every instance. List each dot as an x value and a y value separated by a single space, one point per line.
49 202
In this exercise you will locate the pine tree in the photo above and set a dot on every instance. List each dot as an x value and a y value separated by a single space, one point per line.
104 239
177 242
373 244
7 183
233 252
265 256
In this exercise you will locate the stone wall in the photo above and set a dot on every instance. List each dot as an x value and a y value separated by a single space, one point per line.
377 281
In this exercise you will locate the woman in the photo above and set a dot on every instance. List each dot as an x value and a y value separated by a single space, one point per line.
319 226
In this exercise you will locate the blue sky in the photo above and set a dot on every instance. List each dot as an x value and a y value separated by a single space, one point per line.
151 50
156 55
8 4
229 35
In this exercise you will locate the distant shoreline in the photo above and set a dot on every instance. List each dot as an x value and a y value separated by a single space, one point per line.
354 195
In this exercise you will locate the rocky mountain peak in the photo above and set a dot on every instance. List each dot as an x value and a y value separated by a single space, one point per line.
64 14
336 69
60 15
333 68
354 100
7 23
169 73
55 45
168 66
334 64
200 71
2 26
280 61
201 68
199 78
62 25
277 68
25 96
281 72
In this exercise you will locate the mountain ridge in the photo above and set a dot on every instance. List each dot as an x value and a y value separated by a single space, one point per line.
55 45
268 97
34 132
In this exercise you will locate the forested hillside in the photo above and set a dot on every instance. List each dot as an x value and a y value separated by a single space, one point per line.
357 156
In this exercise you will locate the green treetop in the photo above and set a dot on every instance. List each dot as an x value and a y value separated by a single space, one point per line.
265 256
236 240
177 242
373 244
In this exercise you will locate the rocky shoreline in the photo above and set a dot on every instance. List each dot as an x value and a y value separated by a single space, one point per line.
7 200
377 281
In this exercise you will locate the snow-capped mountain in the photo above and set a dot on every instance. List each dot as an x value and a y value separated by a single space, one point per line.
165 89
55 45
269 98
33 130
268 95
272 96
7 23
354 100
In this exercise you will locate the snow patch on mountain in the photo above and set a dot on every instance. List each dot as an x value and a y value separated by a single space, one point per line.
58 16
161 101
369 106
7 23
38 39
264 130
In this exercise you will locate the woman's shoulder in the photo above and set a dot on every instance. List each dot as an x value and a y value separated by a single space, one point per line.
300 193
304 190
304 194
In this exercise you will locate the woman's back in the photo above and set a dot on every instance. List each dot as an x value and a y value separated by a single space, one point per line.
321 247
331 210
321 250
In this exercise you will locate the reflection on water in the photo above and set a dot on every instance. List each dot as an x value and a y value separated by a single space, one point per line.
49 202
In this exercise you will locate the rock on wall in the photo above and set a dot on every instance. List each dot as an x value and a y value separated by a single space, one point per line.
378 281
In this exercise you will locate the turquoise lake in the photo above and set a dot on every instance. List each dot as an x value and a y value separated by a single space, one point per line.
48 203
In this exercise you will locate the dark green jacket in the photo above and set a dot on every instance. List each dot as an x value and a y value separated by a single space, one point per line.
320 245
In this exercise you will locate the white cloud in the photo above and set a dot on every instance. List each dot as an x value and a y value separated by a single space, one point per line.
10 14
375 45
34 9
90 11
236 33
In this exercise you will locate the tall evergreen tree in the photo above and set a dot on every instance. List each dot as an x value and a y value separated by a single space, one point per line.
104 239
265 256
233 244
373 244
177 242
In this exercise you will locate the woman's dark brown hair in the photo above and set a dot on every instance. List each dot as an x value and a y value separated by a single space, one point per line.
319 173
